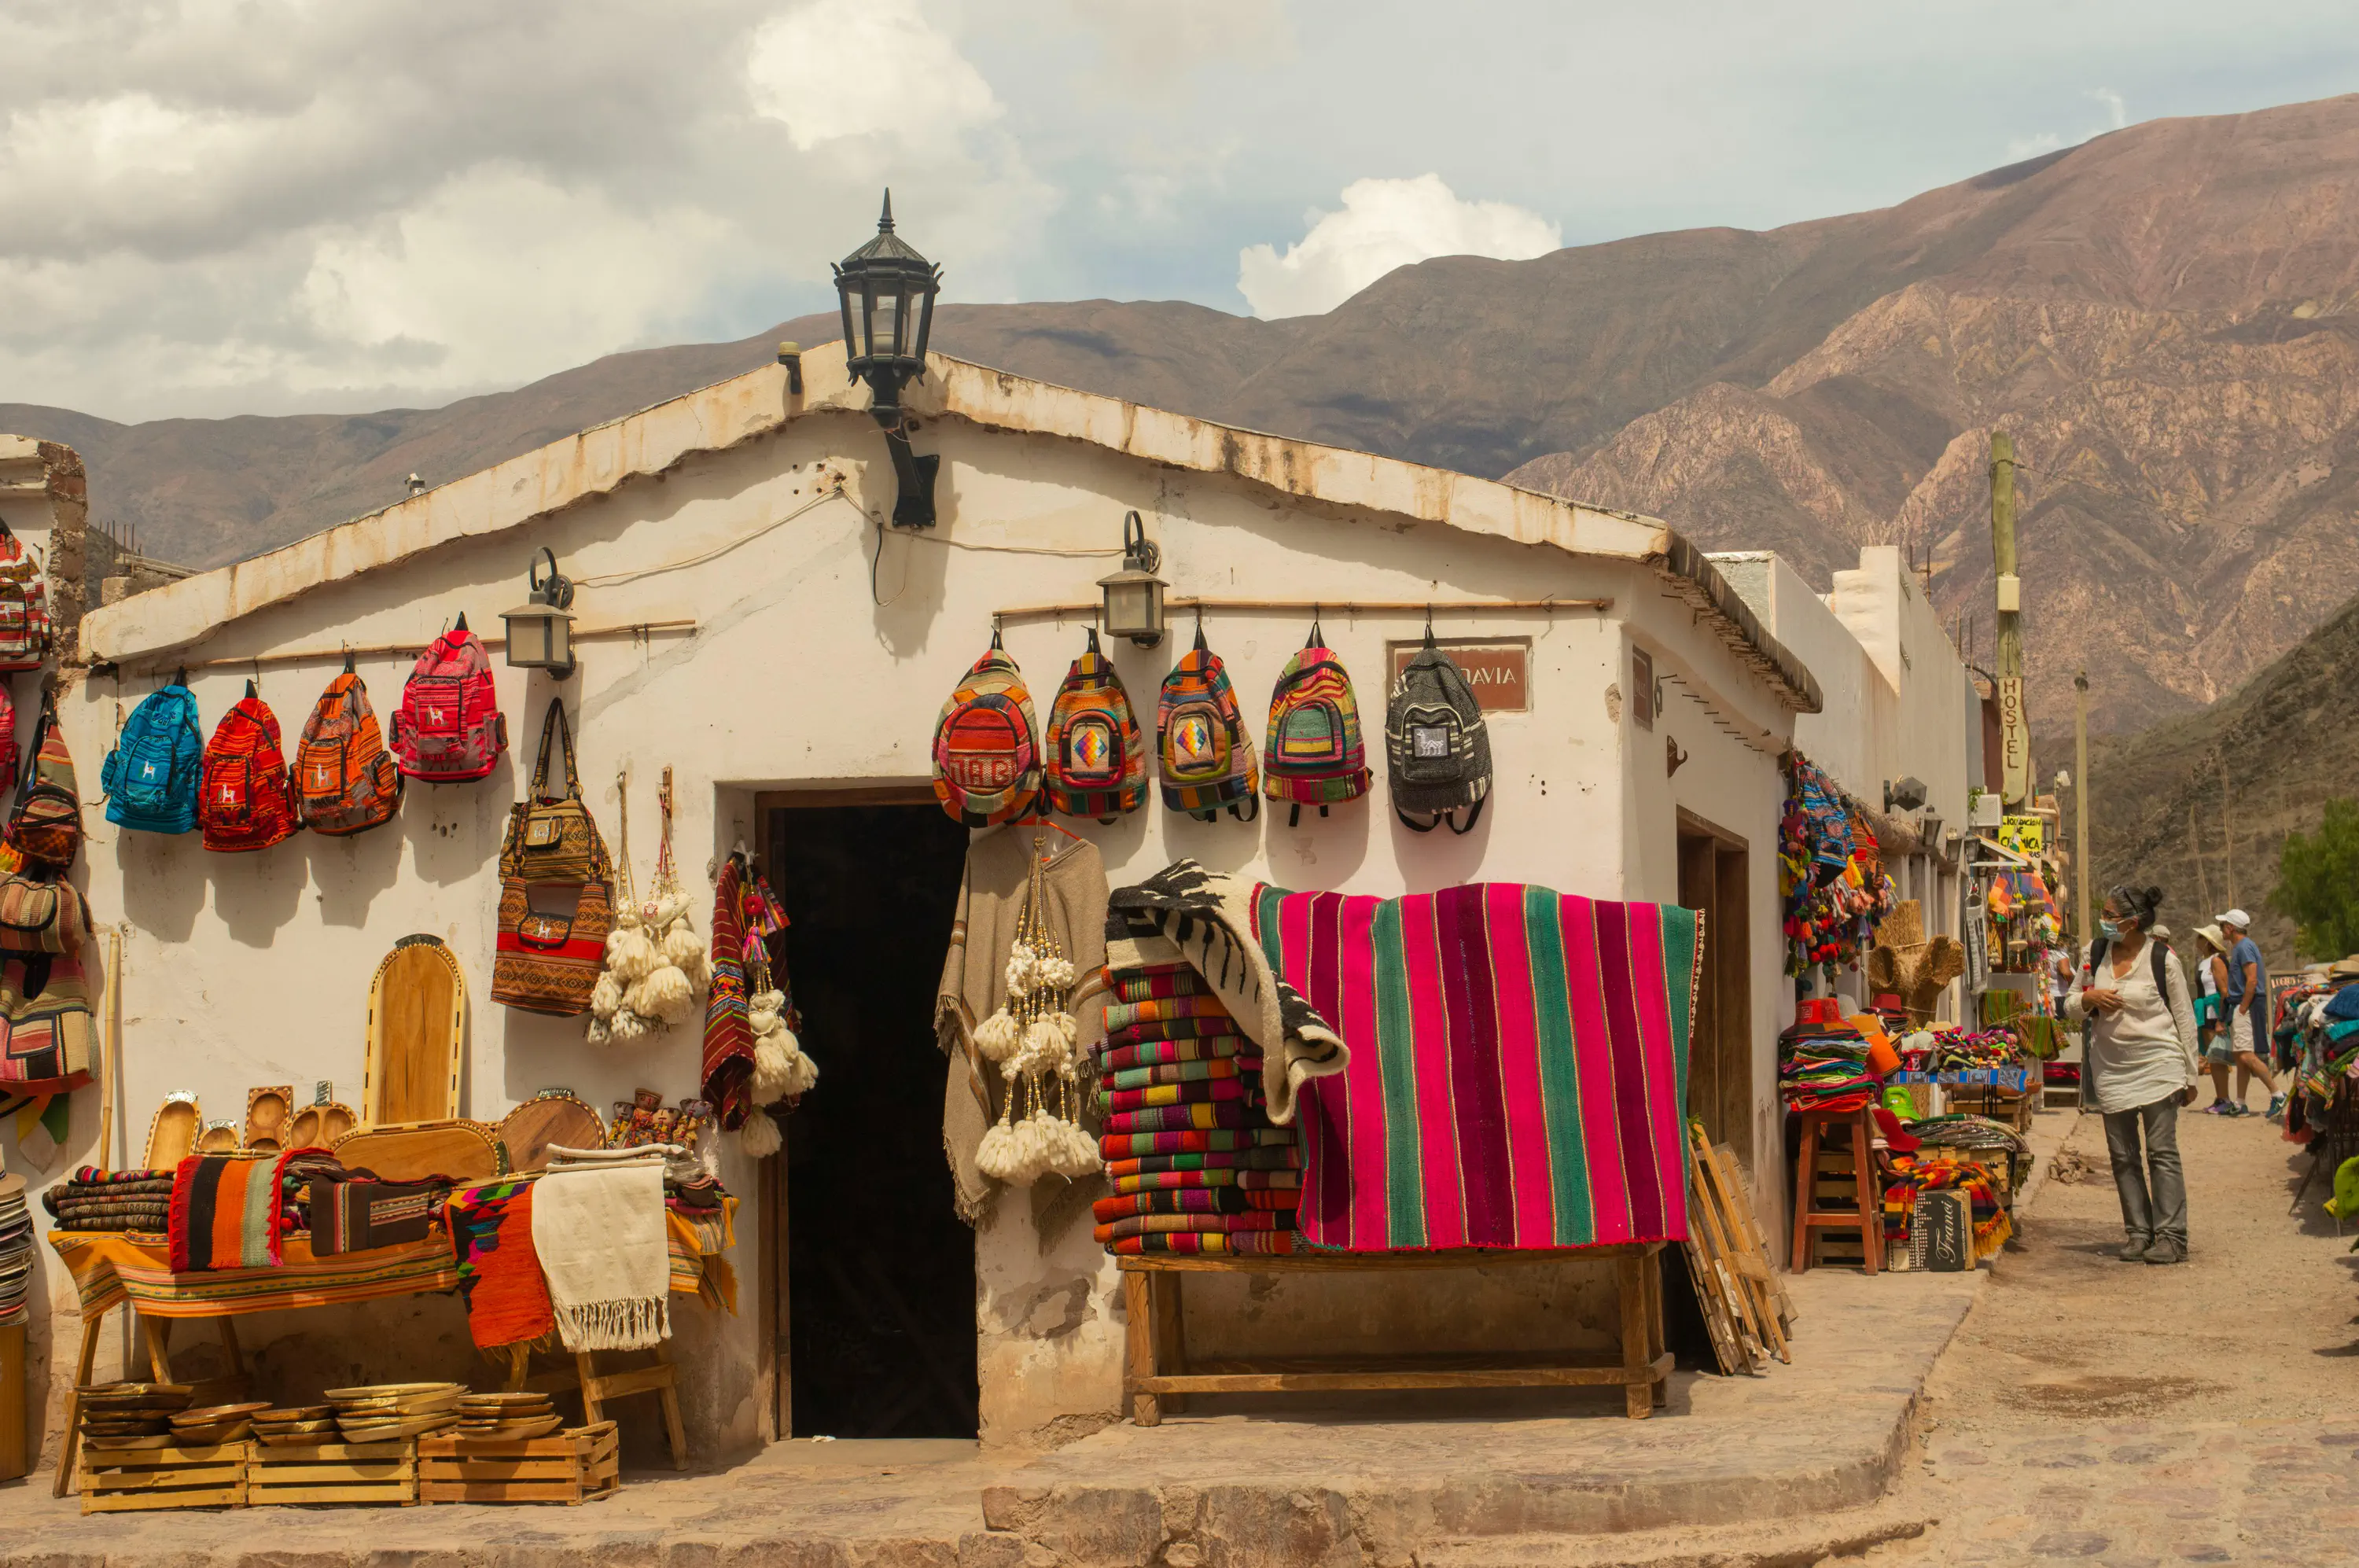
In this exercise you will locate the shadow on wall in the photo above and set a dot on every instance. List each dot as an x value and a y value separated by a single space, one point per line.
163 882
255 892
912 578
350 872
454 829
1322 852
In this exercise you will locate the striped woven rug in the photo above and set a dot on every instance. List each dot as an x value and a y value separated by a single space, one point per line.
1518 1066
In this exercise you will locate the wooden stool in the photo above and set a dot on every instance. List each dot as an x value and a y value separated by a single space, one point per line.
1869 1220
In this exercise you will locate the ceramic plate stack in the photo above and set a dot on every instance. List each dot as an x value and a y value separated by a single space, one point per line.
506 1417
131 1415
16 1252
385 1412
296 1426
206 1425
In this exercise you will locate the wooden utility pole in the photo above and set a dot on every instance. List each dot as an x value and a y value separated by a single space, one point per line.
2085 870
2227 829
2015 726
2195 853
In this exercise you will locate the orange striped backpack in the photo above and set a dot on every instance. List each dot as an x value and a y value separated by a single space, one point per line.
246 800
1316 754
345 781
1096 763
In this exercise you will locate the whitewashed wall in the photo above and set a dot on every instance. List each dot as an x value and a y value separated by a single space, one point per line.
246 970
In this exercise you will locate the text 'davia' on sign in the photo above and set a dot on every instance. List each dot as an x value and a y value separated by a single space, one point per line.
1498 671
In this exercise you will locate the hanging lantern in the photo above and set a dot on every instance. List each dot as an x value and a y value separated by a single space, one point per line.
1132 599
541 630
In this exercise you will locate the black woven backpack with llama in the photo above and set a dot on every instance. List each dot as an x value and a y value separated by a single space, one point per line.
1436 746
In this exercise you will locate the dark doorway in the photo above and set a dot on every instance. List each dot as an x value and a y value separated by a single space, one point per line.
1715 877
879 1290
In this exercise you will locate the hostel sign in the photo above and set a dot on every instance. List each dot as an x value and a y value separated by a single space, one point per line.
2013 740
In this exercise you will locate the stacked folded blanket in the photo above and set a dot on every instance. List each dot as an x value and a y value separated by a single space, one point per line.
92 1199
16 1252
1822 1066
1195 1162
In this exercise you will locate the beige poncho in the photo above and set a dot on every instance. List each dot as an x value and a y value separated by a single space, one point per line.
975 976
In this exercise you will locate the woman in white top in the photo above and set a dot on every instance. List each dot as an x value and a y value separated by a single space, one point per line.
2138 1067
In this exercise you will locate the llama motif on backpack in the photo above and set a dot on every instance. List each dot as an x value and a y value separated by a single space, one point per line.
449 728
247 801
1316 756
987 755
345 781
24 628
1200 740
1096 761
150 777
1436 746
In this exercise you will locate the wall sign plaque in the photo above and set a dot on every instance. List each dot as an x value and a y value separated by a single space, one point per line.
1498 671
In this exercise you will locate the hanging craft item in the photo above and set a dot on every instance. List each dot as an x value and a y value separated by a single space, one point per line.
449 728
986 759
781 1070
1034 1038
416 1030
1200 739
25 625
1316 754
45 827
1437 744
345 781
655 963
752 1057
1095 762
150 777
247 801
556 909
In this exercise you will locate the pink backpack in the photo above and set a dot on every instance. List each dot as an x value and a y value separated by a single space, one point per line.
449 728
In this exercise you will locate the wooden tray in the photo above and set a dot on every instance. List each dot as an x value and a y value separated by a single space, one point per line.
320 1126
552 1116
172 1131
117 1480
576 1466
379 1473
416 1019
466 1151
268 1113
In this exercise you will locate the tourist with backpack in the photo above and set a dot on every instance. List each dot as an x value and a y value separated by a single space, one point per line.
149 779
1436 746
2138 1067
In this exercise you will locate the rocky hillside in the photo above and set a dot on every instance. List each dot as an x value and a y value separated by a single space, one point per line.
2166 318
2200 804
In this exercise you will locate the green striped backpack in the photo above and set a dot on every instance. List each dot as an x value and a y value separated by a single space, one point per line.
1316 756
1199 736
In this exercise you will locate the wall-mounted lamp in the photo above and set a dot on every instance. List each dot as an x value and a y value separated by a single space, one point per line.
1906 793
1929 832
1133 597
1673 756
541 630
887 291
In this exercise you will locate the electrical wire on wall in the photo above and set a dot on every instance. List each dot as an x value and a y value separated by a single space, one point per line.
930 536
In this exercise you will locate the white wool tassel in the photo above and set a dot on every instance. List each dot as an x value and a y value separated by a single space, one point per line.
682 947
665 994
1044 1047
996 1037
996 1155
626 917
1054 973
1072 1151
1022 964
630 954
759 1138
802 1072
772 1067
761 1021
606 995
625 1027
597 1031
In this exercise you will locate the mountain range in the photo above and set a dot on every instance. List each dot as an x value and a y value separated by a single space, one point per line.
2165 318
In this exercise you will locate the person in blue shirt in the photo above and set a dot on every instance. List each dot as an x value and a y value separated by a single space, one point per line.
2248 1016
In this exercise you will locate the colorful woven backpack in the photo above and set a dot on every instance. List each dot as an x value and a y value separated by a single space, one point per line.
150 777
1437 744
25 630
449 728
1096 762
345 781
45 828
247 802
1200 739
986 759
1316 756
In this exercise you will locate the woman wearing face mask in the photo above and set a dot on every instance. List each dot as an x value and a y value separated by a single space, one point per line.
2139 1066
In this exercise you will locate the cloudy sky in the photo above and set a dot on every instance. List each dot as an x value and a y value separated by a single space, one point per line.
258 206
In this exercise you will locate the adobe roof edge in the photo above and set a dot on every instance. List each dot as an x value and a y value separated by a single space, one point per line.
601 459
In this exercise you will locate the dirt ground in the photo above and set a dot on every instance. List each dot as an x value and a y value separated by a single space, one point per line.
2121 1413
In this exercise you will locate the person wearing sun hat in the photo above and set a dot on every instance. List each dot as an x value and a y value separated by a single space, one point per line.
2138 1067
2249 1011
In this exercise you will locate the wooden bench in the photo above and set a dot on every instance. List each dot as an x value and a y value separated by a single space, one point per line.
1156 1373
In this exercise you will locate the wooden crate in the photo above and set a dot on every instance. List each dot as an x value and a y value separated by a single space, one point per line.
382 1473
573 1466
117 1480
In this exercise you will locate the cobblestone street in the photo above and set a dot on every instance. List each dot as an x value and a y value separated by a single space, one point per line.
2109 1412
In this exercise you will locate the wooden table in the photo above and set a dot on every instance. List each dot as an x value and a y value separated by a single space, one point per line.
1157 1372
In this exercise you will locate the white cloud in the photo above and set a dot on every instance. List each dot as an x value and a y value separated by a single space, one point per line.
2022 148
2118 116
837 68
2115 109
1384 224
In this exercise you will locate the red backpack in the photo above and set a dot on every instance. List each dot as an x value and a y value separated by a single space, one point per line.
449 728
24 606
246 800
986 752
344 778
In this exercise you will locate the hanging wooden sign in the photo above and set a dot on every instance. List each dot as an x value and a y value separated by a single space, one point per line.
1498 671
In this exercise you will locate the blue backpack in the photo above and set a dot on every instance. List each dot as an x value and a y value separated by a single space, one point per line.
150 777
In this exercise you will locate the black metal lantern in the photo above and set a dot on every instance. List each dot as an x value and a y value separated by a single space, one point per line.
541 630
887 291
1132 599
